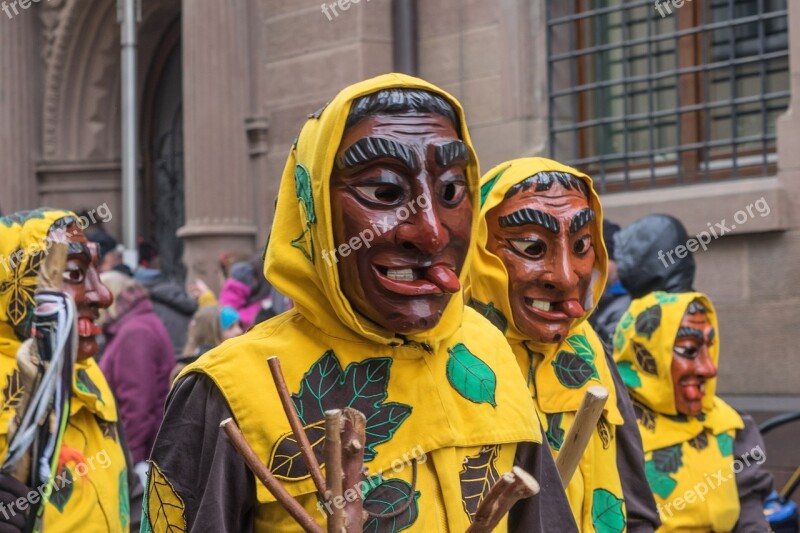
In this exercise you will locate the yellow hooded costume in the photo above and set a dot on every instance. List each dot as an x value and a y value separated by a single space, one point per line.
558 374
681 452
449 400
92 478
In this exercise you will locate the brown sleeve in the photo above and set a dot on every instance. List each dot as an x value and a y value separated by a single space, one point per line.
754 483
639 502
205 470
549 510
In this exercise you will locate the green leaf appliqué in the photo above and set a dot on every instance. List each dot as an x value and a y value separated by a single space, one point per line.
648 321
62 489
572 370
629 375
491 313
669 459
386 498
725 443
477 476
626 320
486 188
645 416
645 359
660 483
302 186
124 501
608 515
85 384
665 298
470 377
700 442
554 433
325 386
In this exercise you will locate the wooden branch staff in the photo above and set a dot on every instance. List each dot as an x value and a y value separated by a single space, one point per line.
292 506
345 462
509 489
580 432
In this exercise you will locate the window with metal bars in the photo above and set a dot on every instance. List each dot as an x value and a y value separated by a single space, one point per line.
643 93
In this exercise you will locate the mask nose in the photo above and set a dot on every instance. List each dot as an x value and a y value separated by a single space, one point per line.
423 231
705 366
560 274
96 292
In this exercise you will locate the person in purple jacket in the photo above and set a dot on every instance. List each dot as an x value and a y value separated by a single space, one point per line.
246 290
136 363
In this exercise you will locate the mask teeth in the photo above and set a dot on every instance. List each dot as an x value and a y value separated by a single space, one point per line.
540 304
401 274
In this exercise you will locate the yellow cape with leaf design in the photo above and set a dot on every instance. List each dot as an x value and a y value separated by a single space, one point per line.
92 470
680 452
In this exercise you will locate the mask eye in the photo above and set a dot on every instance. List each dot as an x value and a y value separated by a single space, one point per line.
453 192
73 275
530 248
687 352
582 245
383 194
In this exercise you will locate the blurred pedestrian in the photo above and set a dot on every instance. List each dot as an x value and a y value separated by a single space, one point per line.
637 250
210 326
246 290
136 362
173 305
615 300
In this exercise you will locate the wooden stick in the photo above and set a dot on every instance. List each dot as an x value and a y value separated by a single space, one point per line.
509 489
263 474
306 451
580 432
333 469
353 442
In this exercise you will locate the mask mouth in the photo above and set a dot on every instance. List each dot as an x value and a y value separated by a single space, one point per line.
693 388
555 310
87 329
418 280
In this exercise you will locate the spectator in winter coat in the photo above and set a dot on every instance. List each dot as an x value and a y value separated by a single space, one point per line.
171 302
136 362
615 299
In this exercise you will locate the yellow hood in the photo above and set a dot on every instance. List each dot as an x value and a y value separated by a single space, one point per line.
23 244
489 280
303 225
643 345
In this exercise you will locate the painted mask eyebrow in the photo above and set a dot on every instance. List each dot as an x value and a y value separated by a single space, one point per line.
581 218
685 331
369 149
79 248
527 216
451 152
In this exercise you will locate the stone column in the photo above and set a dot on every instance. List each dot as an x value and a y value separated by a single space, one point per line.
19 62
218 187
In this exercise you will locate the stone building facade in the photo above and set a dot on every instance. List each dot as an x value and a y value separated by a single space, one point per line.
224 87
